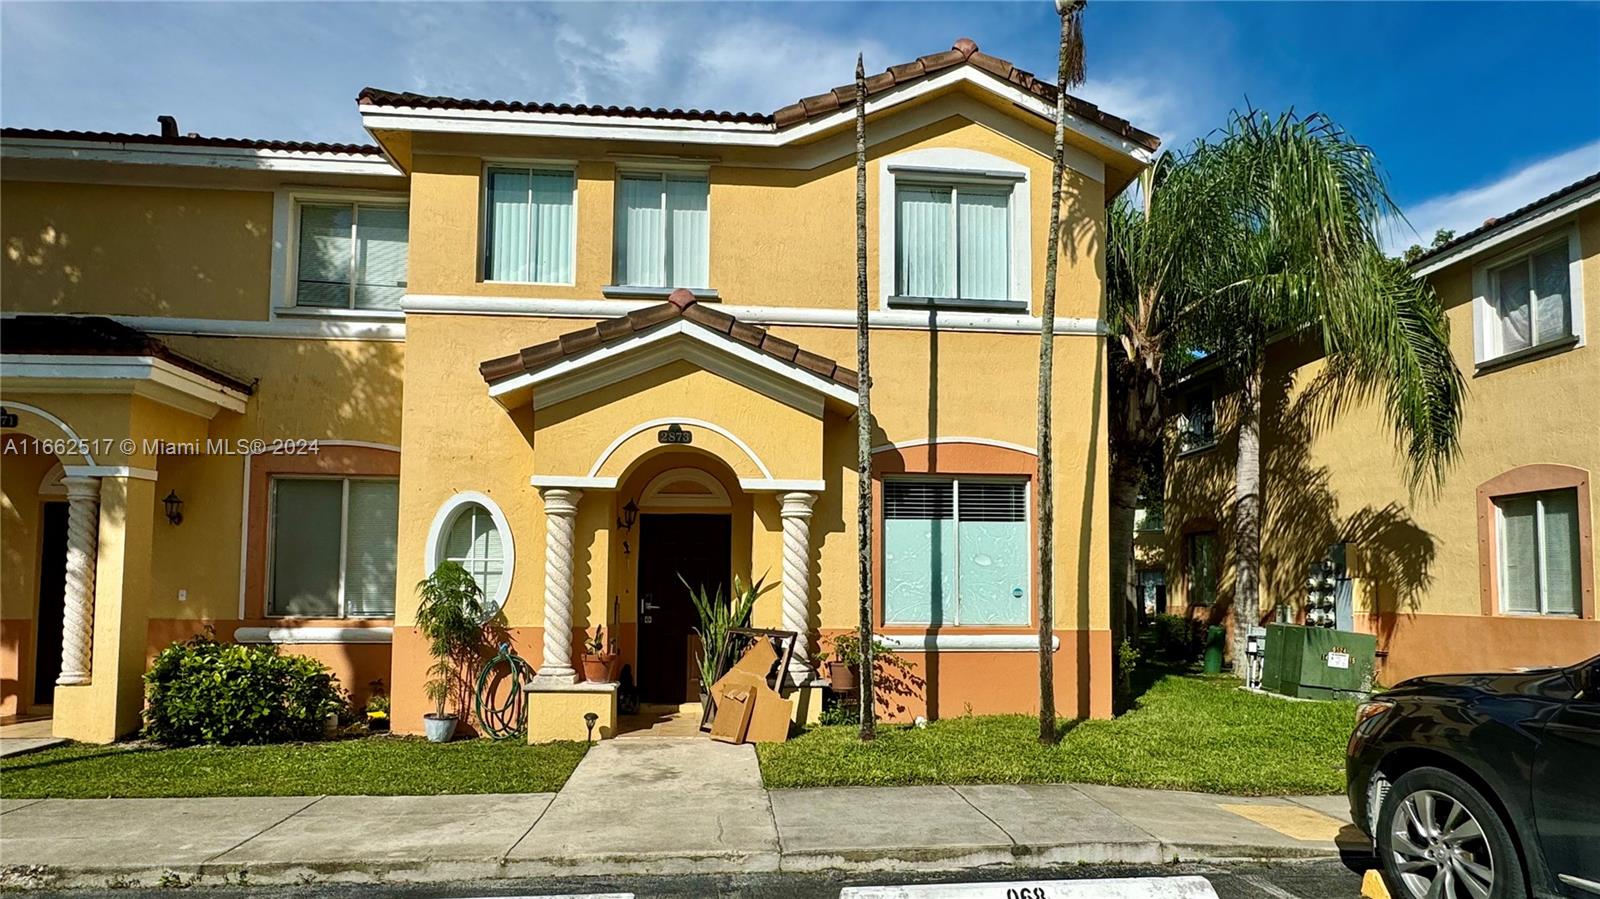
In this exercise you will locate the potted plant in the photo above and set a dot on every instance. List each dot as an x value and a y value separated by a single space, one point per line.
844 665
451 618
717 618
599 656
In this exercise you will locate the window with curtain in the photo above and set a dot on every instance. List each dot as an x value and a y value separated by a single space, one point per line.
663 230
473 541
1197 426
333 547
955 552
529 225
1538 553
953 241
1202 559
351 256
1531 301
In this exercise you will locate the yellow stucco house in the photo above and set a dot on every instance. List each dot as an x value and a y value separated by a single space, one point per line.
266 387
1497 567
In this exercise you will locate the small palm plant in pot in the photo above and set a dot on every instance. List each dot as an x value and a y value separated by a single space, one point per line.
451 618
599 656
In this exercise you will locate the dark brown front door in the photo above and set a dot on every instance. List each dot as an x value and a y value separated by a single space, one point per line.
52 594
700 548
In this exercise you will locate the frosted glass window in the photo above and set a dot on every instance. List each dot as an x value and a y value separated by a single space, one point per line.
663 230
474 542
953 241
333 547
351 256
530 226
1531 300
1538 553
956 552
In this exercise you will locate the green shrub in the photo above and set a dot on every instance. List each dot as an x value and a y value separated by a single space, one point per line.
1179 638
203 691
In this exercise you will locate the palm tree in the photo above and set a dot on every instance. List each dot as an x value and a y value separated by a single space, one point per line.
868 698
1299 254
1069 72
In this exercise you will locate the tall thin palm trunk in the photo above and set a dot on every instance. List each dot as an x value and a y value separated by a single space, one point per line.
868 695
1071 50
1247 516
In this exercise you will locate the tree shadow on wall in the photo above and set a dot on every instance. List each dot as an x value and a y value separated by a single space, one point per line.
1390 550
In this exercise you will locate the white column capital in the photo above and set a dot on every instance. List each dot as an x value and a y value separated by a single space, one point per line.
561 501
82 487
797 505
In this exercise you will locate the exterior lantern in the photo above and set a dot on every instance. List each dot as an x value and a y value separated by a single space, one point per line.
174 507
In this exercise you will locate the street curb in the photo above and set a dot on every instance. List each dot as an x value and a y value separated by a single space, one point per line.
303 873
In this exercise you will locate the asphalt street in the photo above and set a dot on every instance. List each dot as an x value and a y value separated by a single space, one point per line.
1323 879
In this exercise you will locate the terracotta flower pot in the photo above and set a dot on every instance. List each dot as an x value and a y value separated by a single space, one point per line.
597 668
842 677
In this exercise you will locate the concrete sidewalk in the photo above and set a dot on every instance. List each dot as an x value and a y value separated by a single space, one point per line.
658 806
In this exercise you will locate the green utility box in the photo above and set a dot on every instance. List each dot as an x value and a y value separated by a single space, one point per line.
1317 663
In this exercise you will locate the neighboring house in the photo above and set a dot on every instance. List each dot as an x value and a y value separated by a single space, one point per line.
1497 567
581 351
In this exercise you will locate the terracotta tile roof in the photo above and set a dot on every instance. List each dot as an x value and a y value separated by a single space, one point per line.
190 140
963 52
681 304
1507 219
92 335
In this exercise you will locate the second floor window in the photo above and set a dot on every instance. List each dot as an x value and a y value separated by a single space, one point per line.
663 230
953 241
1197 426
1538 553
351 256
1530 299
529 226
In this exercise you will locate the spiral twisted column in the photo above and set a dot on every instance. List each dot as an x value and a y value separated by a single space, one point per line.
83 546
560 517
796 516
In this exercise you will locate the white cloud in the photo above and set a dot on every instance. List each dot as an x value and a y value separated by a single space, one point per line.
1465 210
1157 108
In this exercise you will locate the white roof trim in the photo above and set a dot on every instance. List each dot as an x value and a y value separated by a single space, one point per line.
1513 229
941 441
148 376
310 328
604 359
244 158
966 642
649 128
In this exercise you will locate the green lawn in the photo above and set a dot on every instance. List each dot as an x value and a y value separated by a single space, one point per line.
1188 733
372 766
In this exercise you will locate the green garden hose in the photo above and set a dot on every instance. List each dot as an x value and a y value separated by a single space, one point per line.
505 717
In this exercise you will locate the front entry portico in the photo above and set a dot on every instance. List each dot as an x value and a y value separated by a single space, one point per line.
716 434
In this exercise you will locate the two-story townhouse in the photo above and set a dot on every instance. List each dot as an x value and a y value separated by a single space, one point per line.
627 347
1495 568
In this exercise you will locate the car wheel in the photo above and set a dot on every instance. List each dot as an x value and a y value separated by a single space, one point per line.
1439 838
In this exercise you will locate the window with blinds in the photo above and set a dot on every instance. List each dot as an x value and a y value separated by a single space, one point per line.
351 256
953 241
663 230
473 541
333 547
955 552
530 223
1531 300
1538 553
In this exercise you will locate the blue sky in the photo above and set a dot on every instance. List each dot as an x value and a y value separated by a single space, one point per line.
1474 108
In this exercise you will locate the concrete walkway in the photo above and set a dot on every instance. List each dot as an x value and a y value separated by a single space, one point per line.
646 806
26 735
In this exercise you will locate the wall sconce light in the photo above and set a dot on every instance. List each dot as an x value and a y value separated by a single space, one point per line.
174 507
630 514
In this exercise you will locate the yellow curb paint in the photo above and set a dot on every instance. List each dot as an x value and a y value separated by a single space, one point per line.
1372 886
1290 820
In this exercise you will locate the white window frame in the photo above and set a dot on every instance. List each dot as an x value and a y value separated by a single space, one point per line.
344 539
285 277
439 530
1485 317
1183 421
524 165
1542 578
949 166
955 509
617 287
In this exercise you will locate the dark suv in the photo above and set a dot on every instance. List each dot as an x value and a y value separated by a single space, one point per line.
1482 786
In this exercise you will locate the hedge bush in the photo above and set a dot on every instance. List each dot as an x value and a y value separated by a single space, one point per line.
1179 638
204 691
